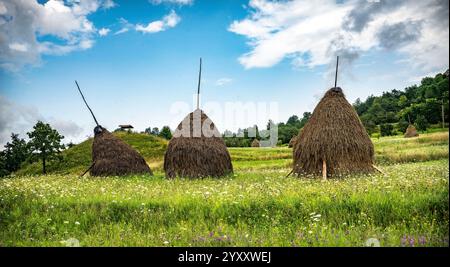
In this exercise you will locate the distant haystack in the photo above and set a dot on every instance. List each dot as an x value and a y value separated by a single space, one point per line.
111 156
292 141
197 150
334 141
255 143
411 131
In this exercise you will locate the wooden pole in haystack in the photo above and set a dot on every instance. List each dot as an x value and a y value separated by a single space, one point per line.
336 75
96 122
79 90
324 170
198 88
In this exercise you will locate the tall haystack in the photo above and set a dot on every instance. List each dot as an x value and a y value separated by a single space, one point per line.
411 131
197 149
334 141
111 156
255 143
292 141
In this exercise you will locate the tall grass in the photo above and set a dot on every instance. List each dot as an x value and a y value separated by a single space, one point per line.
260 208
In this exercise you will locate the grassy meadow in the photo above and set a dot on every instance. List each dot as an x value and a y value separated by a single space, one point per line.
257 206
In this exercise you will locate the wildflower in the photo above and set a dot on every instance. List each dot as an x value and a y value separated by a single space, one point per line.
77 223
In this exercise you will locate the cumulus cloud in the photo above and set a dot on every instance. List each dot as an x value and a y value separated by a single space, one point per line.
223 81
168 21
103 31
312 33
25 23
20 119
178 2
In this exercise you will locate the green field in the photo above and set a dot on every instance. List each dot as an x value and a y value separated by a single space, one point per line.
257 206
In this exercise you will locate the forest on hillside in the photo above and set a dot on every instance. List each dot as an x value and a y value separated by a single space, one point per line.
425 105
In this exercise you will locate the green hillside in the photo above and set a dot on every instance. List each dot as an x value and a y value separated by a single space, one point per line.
78 158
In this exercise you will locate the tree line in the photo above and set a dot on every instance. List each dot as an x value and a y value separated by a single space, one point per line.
425 105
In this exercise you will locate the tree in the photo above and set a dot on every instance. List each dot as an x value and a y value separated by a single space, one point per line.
45 143
421 123
386 129
402 126
155 131
165 133
305 119
293 120
14 154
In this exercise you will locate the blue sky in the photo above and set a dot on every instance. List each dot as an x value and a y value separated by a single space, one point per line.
135 59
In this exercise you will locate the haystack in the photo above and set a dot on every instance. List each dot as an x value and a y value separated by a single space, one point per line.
111 156
411 131
196 149
255 143
292 141
334 141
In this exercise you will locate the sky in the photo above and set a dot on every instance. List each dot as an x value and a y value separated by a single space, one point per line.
137 61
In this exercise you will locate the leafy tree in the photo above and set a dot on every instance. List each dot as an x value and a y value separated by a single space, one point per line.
369 124
387 129
402 126
305 119
293 120
165 133
45 143
14 154
421 123
155 131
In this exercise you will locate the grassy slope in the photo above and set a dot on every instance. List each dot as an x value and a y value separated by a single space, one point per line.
78 158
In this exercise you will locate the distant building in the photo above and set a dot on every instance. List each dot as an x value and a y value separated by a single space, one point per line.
125 127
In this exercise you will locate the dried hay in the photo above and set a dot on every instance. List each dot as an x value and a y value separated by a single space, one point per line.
411 131
113 157
197 149
334 134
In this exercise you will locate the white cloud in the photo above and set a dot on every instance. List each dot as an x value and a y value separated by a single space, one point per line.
168 21
125 26
18 47
311 33
178 2
23 22
103 31
223 81
15 118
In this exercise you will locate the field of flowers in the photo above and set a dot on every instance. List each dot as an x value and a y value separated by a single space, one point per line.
257 206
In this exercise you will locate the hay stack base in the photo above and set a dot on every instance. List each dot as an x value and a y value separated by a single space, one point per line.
255 143
113 157
336 136
197 150
411 131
